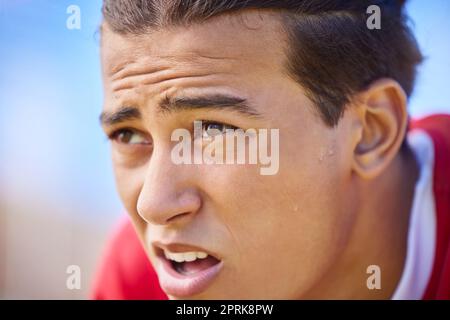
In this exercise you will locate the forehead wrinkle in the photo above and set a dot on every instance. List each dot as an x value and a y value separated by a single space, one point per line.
179 54
144 73
178 57
141 66
264 25
135 69
141 82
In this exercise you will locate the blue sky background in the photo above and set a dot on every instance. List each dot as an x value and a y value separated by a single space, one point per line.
51 146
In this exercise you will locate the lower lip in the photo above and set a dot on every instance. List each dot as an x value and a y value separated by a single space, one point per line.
181 285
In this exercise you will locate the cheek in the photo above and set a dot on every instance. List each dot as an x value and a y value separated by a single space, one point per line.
291 236
129 183
288 225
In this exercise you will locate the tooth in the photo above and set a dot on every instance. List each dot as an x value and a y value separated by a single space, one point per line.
178 257
171 256
174 256
185 256
167 254
190 256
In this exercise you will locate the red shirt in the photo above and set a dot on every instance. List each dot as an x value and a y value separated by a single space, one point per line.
438 127
126 273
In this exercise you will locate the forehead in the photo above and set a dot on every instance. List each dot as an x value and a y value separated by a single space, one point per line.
245 41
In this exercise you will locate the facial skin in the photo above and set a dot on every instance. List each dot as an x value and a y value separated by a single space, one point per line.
311 230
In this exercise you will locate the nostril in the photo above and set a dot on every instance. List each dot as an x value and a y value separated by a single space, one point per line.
167 205
178 217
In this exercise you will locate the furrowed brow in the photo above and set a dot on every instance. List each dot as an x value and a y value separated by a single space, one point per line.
216 101
121 115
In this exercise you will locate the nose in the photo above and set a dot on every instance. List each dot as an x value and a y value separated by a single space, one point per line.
168 194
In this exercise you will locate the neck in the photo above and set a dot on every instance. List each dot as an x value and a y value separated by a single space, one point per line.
379 235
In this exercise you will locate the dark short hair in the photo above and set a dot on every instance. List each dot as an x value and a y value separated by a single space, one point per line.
332 53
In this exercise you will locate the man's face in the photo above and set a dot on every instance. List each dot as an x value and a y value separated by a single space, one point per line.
274 236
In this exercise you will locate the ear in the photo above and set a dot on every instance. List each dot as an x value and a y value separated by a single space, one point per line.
382 112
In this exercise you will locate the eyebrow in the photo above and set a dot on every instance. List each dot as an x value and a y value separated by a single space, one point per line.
123 114
215 101
177 104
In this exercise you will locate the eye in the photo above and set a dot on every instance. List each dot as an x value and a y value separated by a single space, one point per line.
211 129
129 136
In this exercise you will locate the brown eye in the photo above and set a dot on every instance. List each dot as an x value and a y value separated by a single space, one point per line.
211 129
128 136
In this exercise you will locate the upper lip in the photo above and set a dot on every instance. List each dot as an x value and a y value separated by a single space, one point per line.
178 247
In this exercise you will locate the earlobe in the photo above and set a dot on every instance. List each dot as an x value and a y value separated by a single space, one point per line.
383 118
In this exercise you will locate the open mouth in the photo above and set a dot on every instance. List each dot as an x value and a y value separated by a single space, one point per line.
188 263
186 273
